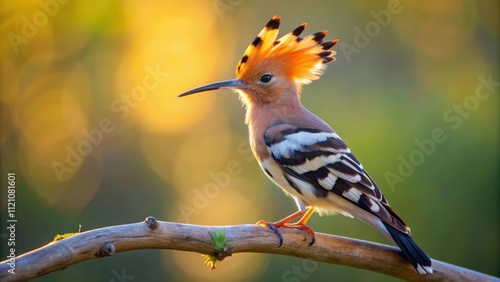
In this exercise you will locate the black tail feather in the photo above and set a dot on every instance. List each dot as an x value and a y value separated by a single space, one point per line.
411 251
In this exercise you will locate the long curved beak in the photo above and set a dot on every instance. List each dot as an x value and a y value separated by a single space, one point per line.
228 84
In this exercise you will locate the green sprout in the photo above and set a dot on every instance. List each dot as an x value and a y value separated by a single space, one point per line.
220 249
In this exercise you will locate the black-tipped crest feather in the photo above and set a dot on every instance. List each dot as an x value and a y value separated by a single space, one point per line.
302 58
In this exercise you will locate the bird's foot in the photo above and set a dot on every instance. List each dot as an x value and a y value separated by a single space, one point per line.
279 224
273 228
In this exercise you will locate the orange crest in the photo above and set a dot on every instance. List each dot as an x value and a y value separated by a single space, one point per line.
303 59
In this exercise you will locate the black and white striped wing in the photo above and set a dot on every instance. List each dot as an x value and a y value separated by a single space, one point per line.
324 162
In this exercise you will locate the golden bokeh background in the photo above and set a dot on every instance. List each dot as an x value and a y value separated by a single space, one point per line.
92 127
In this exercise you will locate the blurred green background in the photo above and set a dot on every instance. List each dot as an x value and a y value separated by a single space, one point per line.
101 78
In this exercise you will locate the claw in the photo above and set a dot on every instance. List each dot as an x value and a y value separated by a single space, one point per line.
278 233
304 227
311 231
312 242
284 223
275 227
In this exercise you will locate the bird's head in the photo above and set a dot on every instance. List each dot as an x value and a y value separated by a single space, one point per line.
269 67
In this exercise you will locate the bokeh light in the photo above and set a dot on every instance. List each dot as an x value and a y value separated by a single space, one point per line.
93 128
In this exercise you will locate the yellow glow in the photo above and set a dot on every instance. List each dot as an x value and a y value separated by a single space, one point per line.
69 196
443 40
442 76
50 121
201 154
232 205
402 70
438 28
50 118
185 54
6 98
91 16
434 7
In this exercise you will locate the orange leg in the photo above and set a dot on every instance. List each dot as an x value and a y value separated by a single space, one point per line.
307 215
285 223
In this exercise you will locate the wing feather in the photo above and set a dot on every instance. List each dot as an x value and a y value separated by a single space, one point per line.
324 161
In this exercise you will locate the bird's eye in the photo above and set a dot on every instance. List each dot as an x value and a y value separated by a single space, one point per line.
265 78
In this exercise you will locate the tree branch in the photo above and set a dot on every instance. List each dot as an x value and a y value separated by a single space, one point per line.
153 234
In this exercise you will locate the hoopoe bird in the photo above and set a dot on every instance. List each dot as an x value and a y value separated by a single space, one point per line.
297 150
